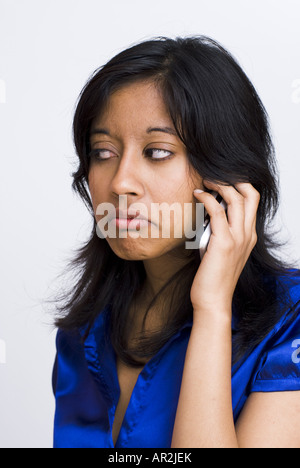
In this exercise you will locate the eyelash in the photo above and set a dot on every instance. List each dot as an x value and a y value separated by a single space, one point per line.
95 154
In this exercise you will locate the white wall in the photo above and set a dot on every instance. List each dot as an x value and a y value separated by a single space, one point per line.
47 51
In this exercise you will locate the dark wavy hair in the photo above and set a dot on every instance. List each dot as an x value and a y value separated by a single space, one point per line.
223 124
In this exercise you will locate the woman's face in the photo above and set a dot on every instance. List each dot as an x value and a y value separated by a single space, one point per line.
147 167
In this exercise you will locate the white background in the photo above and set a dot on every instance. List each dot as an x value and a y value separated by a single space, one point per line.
48 49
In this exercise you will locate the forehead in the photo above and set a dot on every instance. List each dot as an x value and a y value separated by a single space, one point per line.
134 105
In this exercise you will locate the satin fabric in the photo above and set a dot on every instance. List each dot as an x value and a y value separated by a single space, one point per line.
86 387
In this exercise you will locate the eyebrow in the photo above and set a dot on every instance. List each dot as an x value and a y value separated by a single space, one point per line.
104 131
168 130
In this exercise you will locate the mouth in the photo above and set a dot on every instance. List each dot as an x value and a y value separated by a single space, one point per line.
125 220
131 223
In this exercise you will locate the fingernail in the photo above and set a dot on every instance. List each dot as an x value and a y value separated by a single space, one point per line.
198 191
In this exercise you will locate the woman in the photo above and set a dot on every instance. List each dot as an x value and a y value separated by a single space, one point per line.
156 348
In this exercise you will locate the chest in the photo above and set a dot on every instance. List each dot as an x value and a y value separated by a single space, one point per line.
127 381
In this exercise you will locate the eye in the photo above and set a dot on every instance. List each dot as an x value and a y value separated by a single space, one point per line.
97 154
103 154
159 151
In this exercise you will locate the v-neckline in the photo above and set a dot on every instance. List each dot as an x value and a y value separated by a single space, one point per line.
128 404
144 375
102 362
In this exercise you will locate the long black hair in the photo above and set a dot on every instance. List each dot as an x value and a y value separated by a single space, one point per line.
223 124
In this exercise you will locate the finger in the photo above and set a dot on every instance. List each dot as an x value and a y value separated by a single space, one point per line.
252 200
235 208
218 219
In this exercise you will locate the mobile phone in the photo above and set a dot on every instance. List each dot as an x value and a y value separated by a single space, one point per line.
207 228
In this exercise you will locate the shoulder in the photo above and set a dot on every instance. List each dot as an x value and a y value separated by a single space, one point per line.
78 349
288 287
69 357
89 335
270 416
279 367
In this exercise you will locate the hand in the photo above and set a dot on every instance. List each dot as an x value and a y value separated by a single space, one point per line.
229 247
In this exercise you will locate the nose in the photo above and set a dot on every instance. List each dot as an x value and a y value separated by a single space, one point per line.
128 175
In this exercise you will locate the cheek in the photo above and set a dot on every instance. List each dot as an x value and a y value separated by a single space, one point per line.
96 190
189 202
194 178
178 187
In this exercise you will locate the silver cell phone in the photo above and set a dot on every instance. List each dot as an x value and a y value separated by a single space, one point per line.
207 229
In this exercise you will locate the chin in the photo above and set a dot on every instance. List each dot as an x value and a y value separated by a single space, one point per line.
130 249
140 249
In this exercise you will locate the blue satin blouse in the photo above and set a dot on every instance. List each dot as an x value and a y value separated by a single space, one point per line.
86 387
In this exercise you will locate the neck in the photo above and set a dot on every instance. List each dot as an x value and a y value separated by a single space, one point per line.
160 269
158 272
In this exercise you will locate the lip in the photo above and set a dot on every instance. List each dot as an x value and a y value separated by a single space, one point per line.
130 223
127 216
126 220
